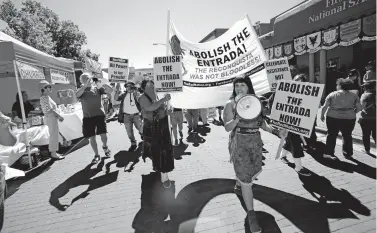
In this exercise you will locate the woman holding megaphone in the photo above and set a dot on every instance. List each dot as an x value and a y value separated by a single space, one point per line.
245 143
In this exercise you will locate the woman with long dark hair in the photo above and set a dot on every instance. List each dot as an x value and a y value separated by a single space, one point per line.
245 146
156 131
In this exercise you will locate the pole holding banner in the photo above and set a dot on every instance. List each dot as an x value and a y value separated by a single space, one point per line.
24 123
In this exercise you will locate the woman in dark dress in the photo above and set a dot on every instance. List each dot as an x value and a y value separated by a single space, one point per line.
156 131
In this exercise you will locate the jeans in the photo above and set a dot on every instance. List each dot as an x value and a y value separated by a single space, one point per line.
53 129
368 126
129 122
192 116
345 126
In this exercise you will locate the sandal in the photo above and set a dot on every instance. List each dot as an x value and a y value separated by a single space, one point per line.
107 151
96 159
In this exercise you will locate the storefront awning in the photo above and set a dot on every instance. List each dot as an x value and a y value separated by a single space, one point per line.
315 15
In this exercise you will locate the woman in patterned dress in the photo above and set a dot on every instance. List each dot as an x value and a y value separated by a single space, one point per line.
49 109
245 147
156 131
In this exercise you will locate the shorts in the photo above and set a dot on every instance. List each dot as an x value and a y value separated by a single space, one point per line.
92 126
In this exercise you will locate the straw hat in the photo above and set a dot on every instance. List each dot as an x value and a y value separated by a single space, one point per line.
43 84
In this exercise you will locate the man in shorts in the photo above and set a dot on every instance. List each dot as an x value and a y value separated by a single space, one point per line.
94 121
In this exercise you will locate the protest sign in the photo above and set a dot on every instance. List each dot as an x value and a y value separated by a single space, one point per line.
209 68
59 76
295 106
167 74
30 72
277 69
118 70
92 66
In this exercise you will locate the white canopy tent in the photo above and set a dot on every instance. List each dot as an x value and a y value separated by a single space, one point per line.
12 51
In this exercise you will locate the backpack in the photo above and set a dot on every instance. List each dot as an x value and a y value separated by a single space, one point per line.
121 113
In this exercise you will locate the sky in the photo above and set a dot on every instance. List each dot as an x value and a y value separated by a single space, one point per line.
128 29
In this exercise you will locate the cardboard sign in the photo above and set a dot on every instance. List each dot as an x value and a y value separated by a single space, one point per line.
59 76
295 106
277 69
118 70
168 74
92 66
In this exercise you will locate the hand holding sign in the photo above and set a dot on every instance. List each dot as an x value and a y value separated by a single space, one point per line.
167 97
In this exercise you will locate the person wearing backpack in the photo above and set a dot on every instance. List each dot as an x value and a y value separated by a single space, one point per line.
367 119
129 111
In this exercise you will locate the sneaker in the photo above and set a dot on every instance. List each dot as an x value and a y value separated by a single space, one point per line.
284 160
181 135
107 151
327 156
303 172
366 151
132 148
237 190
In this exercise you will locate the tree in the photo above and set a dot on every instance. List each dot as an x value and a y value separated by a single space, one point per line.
41 28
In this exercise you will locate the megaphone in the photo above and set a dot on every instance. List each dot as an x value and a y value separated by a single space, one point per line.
248 107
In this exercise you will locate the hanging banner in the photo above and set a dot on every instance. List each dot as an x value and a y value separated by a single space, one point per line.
288 50
349 33
313 41
278 51
277 69
300 45
330 38
209 68
92 66
270 53
59 76
369 28
30 72
167 74
295 106
118 70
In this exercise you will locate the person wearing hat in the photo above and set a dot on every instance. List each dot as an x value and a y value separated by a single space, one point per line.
367 119
49 109
354 75
129 111
94 120
370 75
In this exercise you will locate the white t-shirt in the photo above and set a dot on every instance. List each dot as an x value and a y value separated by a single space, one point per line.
129 104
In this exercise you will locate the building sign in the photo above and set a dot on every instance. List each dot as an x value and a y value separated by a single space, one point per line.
332 7
295 106
118 70
59 76
30 72
168 74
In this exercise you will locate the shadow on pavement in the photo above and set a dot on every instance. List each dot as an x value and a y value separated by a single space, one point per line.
123 158
83 177
195 139
180 150
322 190
203 130
157 203
360 167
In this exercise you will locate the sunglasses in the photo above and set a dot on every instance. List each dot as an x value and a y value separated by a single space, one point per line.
46 87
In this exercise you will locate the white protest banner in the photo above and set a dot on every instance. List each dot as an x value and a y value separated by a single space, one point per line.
30 72
277 69
209 68
118 69
295 106
59 76
167 74
92 66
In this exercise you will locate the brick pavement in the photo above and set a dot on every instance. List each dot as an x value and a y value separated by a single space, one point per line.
201 199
